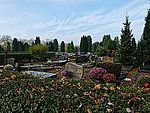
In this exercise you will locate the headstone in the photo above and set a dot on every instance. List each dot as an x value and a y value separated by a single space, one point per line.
75 69
82 59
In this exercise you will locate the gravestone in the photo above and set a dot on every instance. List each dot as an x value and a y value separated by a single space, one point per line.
82 59
75 69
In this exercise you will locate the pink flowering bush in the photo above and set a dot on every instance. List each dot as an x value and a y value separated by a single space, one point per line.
109 77
64 73
97 73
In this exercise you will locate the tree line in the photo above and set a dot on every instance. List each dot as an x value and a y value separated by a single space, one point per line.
125 50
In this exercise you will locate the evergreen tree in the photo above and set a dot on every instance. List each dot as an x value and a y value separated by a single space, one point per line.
105 41
72 47
20 46
37 40
26 46
89 43
62 46
55 45
8 46
50 46
125 47
84 44
139 53
76 49
146 39
94 46
68 47
15 45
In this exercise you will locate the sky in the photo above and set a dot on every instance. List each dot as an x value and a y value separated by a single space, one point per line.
68 20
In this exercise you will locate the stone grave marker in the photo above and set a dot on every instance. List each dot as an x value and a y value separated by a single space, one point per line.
75 69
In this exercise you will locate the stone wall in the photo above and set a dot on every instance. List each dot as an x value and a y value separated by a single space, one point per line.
75 69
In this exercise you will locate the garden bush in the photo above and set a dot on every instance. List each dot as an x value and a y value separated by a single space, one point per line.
97 73
114 68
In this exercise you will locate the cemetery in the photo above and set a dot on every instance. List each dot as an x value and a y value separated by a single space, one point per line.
74 85
59 75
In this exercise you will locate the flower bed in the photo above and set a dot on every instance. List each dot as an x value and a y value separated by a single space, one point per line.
24 93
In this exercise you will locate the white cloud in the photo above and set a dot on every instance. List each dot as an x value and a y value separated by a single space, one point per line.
95 23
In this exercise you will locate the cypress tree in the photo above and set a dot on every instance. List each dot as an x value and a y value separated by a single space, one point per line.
50 46
26 46
89 43
15 45
72 47
62 46
55 45
84 44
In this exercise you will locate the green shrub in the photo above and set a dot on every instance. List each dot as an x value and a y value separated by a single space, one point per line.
114 68
27 94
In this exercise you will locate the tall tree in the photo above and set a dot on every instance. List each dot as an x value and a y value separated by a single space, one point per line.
20 46
76 49
146 39
26 46
8 46
55 45
125 47
72 47
15 45
62 46
89 43
94 46
37 40
84 44
51 46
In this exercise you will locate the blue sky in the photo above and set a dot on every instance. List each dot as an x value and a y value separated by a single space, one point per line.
70 19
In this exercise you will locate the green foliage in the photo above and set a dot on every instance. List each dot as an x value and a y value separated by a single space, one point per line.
31 94
86 44
94 46
76 49
55 45
62 46
143 80
126 45
89 39
1 48
146 39
114 68
26 46
38 51
37 40
8 46
70 47
101 51
51 46
15 45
